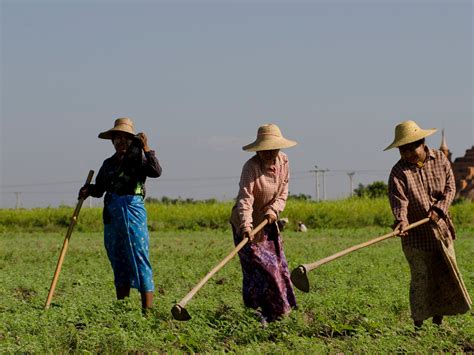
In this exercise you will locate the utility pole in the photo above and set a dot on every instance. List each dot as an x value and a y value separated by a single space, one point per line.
18 202
351 175
316 172
324 184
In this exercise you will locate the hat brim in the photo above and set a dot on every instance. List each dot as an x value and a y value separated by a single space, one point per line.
275 143
412 138
109 134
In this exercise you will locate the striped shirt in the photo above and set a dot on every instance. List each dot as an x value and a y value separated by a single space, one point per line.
414 191
263 190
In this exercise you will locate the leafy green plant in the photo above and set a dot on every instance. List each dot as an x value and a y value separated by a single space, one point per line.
356 304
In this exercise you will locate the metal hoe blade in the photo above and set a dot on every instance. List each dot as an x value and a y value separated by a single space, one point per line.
180 313
299 278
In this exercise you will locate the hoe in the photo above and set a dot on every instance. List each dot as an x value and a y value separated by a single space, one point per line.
179 311
299 276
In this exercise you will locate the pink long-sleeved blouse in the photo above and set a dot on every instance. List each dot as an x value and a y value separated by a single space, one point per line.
263 190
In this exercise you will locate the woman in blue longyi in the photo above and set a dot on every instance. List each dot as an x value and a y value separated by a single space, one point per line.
122 178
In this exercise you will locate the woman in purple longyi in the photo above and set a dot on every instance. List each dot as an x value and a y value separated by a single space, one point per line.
262 195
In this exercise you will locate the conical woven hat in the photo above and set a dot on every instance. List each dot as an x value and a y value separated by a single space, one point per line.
120 125
269 137
409 132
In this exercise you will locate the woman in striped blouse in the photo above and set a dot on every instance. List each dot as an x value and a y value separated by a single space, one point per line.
262 195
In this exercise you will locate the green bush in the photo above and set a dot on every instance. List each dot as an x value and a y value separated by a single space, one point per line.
374 190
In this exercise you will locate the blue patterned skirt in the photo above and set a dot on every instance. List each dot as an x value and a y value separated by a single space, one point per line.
127 242
266 278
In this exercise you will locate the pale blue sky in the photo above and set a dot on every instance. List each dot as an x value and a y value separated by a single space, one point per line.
199 77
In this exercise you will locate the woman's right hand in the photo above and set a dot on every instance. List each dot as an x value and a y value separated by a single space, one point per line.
247 235
399 227
84 192
253 238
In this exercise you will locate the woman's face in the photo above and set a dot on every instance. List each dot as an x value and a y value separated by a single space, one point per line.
268 156
413 152
121 142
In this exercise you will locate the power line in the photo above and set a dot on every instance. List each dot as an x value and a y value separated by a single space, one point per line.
360 171
38 192
294 175
43 184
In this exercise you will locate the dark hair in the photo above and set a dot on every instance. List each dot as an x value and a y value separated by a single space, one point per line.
113 134
413 145
419 142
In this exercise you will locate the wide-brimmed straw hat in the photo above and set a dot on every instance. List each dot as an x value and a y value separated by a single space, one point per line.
409 132
269 137
120 125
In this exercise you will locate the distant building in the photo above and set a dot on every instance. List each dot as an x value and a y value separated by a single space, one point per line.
463 169
444 147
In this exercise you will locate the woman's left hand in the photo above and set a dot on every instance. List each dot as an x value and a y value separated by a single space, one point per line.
144 139
433 216
270 218
84 192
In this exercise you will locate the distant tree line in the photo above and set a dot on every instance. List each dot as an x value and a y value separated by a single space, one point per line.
299 197
374 190
177 201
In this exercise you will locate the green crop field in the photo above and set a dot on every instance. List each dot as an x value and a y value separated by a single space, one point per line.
358 303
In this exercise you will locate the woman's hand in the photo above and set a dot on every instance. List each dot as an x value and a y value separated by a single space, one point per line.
399 227
253 238
433 216
84 192
248 235
270 218
144 139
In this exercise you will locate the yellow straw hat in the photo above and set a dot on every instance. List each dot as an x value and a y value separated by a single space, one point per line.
269 137
409 132
120 125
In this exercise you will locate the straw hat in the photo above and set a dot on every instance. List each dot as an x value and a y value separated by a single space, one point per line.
269 137
409 132
120 125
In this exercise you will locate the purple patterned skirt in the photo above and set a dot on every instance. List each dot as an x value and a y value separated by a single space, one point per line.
266 279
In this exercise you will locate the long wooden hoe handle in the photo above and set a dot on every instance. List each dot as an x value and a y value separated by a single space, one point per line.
66 244
179 312
299 274
318 263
